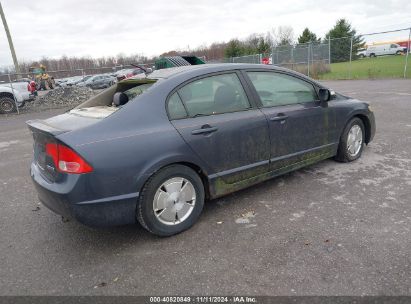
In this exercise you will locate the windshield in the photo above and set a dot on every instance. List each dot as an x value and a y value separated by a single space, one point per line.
131 88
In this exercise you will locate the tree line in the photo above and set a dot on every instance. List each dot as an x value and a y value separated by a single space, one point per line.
339 35
256 43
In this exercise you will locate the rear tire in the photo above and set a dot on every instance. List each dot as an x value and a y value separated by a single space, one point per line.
351 141
372 55
171 201
7 105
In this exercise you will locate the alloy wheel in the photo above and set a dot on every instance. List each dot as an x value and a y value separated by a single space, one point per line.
354 140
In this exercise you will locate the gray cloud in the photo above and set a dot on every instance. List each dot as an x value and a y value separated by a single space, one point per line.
108 27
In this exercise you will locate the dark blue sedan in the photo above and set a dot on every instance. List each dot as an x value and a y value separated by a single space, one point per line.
153 150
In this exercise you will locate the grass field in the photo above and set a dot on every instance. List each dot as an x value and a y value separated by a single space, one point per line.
368 68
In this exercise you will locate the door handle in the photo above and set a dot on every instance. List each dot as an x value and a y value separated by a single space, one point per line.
206 129
279 117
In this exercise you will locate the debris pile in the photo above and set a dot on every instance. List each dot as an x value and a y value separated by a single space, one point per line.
62 97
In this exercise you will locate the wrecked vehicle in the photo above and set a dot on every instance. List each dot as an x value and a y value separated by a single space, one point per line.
14 95
153 150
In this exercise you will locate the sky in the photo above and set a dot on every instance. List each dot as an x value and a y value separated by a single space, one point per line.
96 28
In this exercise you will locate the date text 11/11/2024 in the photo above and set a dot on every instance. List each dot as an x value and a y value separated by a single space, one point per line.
203 299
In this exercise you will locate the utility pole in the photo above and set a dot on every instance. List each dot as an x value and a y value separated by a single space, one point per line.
13 52
349 73
408 53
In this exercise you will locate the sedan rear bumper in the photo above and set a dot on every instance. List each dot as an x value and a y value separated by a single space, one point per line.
102 212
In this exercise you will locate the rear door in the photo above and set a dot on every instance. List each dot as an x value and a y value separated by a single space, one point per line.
300 127
215 117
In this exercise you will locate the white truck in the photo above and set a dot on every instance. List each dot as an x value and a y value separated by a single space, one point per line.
385 49
13 95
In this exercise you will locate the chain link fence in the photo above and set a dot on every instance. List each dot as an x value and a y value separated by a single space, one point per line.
22 92
256 58
307 58
65 73
382 55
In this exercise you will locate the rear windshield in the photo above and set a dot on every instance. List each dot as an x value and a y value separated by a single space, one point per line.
131 88
137 90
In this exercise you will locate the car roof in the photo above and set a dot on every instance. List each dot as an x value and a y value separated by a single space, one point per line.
203 68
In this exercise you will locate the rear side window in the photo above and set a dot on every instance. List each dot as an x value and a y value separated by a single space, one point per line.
276 89
214 95
175 107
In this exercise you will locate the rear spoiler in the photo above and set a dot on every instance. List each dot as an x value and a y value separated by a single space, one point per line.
40 125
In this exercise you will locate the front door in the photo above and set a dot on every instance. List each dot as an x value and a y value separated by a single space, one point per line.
214 116
299 126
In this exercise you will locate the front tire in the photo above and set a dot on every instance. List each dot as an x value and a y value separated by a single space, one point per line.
351 141
7 105
171 201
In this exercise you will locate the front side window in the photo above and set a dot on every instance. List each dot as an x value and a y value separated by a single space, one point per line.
214 95
276 89
394 46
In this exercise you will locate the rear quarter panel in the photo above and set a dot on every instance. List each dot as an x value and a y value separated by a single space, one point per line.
126 148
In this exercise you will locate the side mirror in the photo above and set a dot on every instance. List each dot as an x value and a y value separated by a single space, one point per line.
324 95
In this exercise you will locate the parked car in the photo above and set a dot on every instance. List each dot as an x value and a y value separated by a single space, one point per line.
153 151
98 82
385 49
119 72
135 73
73 80
62 81
362 53
83 79
14 95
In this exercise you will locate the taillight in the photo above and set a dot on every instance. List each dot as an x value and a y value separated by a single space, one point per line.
66 160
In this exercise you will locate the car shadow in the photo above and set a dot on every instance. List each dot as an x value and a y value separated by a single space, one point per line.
108 240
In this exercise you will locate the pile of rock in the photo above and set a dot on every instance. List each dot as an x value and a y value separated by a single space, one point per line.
61 97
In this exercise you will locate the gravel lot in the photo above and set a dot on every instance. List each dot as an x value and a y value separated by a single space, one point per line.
329 229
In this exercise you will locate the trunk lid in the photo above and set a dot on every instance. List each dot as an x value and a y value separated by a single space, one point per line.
42 135
47 132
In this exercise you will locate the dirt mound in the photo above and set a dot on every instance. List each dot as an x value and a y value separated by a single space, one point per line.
60 98
66 96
